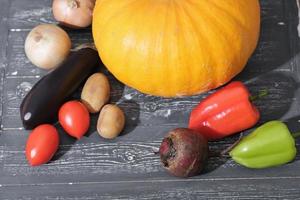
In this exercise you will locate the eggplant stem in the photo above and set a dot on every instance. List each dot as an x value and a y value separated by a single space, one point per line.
296 135
261 93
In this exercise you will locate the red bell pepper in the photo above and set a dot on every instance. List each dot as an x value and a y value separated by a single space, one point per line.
227 111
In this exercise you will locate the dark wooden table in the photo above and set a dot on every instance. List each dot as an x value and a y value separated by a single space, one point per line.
127 168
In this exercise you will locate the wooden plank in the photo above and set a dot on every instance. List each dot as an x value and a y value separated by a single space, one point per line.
3 45
294 38
3 31
128 158
26 14
261 189
272 12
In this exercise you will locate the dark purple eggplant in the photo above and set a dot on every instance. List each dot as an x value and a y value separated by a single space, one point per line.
42 103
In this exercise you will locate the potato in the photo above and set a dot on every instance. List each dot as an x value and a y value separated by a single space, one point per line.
96 92
111 121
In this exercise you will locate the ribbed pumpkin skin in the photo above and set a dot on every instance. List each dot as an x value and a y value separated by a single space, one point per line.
175 47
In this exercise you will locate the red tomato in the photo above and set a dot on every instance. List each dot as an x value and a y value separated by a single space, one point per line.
42 144
74 118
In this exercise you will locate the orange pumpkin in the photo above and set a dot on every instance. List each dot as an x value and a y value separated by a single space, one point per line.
175 47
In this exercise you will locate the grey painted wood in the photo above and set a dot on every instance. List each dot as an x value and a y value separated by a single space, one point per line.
259 189
3 44
27 14
127 168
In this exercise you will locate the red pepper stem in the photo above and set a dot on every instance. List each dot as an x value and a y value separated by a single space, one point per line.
296 135
261 93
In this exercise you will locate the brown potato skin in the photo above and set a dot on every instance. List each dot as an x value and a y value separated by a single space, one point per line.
96 92
111 121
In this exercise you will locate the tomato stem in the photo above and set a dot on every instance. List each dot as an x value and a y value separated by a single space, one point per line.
261 93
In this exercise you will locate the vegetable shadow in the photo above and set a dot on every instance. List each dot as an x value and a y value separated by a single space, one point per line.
281 88
93 125
116 87
293 124
131 110
65 144
279 42
219 153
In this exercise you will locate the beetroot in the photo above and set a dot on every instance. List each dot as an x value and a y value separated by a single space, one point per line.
184 152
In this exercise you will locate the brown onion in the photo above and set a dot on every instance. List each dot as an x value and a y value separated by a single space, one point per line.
47 46
74 13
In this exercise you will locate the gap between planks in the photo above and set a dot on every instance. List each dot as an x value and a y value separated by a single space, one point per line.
155 181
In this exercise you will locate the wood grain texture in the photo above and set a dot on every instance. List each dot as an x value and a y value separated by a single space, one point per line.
3 31
259 189
127 168
124 160
3 45
27 14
